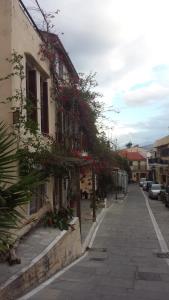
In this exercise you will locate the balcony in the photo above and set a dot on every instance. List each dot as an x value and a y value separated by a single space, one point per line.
158 160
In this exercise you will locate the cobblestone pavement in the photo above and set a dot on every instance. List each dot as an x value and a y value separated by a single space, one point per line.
122 263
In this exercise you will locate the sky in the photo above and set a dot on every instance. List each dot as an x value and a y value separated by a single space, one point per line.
126 43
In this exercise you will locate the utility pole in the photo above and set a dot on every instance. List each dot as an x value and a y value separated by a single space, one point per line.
94 194
116 182
115 172
78 195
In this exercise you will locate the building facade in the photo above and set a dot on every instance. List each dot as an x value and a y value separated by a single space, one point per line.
159 162
137 163
39 87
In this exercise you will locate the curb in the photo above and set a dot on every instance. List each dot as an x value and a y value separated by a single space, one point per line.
64 249
92 229
88 242
17 281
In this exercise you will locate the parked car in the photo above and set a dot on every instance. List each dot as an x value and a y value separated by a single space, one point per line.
144 185
165 196
142 181
147 185
155 190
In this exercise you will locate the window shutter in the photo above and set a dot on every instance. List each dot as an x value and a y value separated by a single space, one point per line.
44 108
32 95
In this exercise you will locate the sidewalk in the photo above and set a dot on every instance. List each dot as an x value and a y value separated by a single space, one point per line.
87 218
87 225
111 198
44 251
30 246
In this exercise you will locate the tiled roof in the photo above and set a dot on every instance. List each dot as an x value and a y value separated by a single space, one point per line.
131 155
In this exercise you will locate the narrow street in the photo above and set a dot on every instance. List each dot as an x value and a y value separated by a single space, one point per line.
123 261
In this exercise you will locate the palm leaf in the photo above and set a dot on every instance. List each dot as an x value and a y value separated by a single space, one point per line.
17 193
7 155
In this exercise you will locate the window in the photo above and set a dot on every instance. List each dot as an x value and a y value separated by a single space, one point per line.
38 198
44 106
60 68
31 94
164 152
16 116
59 127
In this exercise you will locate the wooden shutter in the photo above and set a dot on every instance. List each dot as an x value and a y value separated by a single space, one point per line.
44 107
59 127
31 96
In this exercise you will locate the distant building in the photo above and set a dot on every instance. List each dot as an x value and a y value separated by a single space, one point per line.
159 163
137 163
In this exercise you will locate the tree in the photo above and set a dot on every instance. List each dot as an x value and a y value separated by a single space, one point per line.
129 145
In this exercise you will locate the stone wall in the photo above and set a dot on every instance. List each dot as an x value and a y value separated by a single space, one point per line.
61 252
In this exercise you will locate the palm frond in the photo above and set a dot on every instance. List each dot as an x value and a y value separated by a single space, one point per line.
7 155
17 192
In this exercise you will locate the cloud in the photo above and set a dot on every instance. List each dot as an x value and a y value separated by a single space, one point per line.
147 95
125 43
143 133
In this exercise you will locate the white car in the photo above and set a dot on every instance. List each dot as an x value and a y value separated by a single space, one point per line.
142 181
154 191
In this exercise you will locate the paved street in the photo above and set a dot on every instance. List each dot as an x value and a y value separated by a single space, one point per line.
122 263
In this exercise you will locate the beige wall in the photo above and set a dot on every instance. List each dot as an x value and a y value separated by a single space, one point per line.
62 251
17 33
22 30
161 142
25 38
137 169
5 51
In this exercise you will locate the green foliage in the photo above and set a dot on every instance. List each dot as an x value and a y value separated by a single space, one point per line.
123 164
7 156
86 87
13 193
59 218
26 129
129 145
105 183
81 102
49 162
